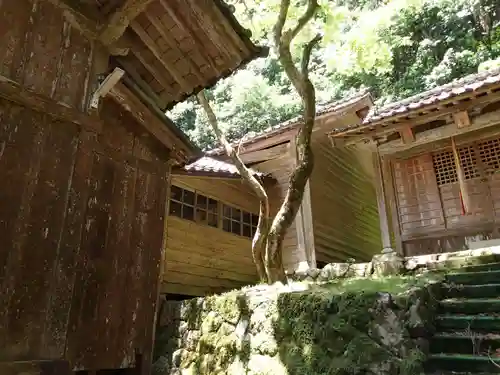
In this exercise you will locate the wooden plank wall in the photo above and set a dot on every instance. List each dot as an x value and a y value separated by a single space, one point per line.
431 217
199 259
81 221
81 214
281 168
43 53
344 204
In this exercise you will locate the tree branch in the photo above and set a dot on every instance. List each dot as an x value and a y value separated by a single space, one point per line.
283 39
306 55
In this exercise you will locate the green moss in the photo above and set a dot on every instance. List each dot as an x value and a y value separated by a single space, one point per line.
326 330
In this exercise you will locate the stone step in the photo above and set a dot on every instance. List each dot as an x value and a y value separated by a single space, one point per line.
449 261
478 323
473 278
470 306
462 363
477 268
464 342
460 373
470 291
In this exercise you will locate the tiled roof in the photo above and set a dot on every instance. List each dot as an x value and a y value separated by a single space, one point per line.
208 164
460 86
333 106
467 84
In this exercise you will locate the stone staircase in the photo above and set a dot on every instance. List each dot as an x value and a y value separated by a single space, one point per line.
467 338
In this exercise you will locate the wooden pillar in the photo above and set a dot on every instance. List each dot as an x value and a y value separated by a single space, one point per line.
303 257
385 234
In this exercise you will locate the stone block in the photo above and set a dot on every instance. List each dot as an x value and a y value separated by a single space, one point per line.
388 264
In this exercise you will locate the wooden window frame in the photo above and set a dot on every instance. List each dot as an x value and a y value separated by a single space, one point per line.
473 155
226 217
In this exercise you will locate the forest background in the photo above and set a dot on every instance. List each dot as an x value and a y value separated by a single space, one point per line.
394 48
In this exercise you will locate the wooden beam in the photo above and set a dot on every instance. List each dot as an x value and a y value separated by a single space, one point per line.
132 72
406 133
307 221
13 92
153 47
220 20
445 132
144 116
462 119
266 154
382 207
207 25
390 193
159 76
433 113
186 27
167 37
80 16
464 193
120 19
36 367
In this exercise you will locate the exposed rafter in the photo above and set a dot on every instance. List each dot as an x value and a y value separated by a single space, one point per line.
120 19
155 50
186 27
157 24
111 32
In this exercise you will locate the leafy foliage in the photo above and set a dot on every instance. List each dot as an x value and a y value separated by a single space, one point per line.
395 47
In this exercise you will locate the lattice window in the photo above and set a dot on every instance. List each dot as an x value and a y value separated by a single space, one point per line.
191 205
468 162
444 166
489 152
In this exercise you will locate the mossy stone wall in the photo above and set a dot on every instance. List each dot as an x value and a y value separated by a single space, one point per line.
348 327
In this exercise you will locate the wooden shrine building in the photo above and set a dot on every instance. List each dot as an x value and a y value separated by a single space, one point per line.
438 165
338 218
85 159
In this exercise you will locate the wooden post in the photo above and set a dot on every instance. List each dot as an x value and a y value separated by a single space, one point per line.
382 208
461 178
301 258
390 195
308 226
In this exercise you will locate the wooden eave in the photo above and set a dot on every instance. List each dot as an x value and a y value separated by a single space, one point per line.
267 180
169 49
288 130
381 129
172 48
155 122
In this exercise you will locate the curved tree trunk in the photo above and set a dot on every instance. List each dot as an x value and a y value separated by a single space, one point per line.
267 244
305 161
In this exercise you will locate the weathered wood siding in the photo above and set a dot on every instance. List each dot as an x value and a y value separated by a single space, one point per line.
344 204
81 213
281 168
200 259
81 221
43 53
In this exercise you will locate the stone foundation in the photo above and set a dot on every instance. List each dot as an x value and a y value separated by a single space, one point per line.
299 329
392 264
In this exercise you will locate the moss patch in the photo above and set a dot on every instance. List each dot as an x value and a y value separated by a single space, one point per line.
353 326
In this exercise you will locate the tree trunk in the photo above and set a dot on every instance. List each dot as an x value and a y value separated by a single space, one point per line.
305 162
267 244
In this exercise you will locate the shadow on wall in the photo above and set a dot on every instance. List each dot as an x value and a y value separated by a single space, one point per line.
337 329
